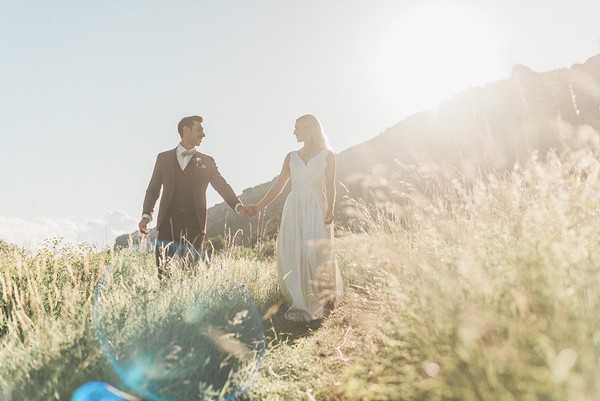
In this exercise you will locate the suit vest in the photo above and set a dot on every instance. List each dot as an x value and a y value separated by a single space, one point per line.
182 204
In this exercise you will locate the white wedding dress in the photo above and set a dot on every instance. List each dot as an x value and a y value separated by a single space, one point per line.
308 273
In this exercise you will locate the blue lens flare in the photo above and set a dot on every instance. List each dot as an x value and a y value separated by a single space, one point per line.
183 340
97 391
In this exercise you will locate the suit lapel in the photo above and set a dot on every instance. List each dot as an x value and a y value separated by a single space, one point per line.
199 166
171 166
192 162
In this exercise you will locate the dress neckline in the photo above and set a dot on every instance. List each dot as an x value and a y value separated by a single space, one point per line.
306 163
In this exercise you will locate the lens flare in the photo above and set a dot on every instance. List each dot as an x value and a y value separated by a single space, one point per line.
99 391
186 338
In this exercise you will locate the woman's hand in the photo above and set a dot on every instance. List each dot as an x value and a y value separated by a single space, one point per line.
329 217
251 210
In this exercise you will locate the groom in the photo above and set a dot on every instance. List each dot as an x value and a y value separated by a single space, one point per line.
184 174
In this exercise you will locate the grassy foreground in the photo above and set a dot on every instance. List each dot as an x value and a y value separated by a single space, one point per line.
485 290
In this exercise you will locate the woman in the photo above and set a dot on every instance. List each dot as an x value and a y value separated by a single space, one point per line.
307 269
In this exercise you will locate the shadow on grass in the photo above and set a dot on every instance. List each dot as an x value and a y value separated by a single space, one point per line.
279 330
202 343
82 361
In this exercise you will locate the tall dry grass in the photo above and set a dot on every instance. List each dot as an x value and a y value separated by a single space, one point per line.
458 288
51 343
491 289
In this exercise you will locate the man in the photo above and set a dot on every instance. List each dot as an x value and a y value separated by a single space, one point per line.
183 174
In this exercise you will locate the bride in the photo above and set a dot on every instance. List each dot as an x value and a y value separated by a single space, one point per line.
307 270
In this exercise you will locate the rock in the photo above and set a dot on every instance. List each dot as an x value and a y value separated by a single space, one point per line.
135 241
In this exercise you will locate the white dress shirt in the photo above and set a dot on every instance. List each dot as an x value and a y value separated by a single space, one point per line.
183 160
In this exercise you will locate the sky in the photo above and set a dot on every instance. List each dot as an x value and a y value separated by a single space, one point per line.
91 93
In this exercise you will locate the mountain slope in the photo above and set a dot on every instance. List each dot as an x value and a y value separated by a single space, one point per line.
490 126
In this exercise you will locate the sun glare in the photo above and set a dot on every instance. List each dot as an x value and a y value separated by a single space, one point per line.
434 51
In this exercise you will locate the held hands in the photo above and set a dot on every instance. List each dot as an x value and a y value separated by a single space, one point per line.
248 210
329 217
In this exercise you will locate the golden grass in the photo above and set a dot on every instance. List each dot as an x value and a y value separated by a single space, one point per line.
479 290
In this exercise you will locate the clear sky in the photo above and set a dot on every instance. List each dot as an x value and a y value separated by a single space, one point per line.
91 93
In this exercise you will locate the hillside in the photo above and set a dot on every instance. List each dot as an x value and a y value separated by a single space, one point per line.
484 128
487 127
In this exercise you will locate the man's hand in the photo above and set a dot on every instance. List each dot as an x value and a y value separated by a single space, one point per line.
143 225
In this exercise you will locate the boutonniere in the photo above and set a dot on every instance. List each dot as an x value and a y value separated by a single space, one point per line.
198 162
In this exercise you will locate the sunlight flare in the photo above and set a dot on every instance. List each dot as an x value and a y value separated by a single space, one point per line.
435 50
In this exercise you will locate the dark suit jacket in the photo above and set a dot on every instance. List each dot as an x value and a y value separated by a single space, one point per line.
205 171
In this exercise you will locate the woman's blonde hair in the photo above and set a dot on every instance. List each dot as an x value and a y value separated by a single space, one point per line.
316 129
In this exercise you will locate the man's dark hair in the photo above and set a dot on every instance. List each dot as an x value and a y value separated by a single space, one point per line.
187 122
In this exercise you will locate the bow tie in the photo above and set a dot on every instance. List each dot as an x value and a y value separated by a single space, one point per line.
188 152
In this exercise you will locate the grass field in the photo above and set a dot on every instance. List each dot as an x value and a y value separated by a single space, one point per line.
479 290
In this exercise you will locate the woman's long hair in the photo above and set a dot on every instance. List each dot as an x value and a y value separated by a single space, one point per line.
318 136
